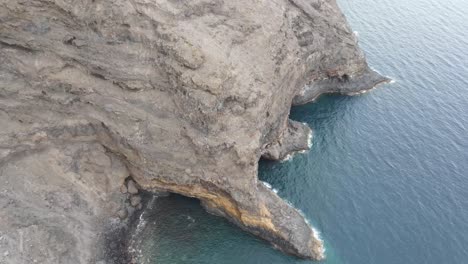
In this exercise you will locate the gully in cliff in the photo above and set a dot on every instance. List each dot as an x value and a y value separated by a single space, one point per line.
184 96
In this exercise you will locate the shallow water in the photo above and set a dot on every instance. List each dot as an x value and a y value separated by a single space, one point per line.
387 178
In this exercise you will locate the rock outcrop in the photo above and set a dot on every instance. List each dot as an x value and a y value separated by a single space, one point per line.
182 96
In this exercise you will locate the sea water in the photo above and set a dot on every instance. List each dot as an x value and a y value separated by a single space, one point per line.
387 178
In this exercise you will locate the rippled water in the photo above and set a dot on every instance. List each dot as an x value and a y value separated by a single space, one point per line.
387 178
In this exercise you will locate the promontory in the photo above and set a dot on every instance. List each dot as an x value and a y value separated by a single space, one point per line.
102 100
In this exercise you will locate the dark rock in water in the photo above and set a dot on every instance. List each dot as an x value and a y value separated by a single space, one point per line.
346 84
184 96
122 213
135 200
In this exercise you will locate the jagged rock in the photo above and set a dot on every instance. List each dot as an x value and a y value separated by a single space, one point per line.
131 187
160 87
58 196
296 138
344 84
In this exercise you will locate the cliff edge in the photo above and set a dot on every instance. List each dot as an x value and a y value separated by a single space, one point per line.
167 95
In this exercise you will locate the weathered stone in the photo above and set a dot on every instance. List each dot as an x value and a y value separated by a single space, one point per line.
185 95
71 185
123 188
131 187
135 200
296 138
122 213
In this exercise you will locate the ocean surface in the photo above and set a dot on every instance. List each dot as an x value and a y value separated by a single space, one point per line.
387 178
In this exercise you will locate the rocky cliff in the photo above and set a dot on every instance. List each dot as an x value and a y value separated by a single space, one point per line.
178 96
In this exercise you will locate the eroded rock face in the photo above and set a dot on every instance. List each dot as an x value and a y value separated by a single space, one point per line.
187 95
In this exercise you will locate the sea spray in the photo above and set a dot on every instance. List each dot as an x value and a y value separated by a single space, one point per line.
269 187
133 248
290 156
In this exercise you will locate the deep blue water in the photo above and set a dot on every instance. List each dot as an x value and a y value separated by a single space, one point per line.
387 178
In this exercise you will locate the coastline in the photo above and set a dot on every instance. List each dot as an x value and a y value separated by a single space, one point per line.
183 97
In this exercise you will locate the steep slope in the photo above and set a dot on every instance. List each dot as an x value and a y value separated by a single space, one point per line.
188 95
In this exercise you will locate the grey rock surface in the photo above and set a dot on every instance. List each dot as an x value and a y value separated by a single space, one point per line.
135 200
184 96
296 138
131 187
55 200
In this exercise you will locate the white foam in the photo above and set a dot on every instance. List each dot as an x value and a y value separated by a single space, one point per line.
287 158
371 89
392 80
315 233
267 185
141 224
290 156
151 202
309 139
139 228
376 71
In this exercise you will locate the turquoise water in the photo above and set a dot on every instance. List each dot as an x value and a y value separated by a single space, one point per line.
387 178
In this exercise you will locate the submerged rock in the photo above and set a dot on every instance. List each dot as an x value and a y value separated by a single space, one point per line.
184 96
135 200
122 213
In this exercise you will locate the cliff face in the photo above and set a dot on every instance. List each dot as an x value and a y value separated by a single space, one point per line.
183 96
